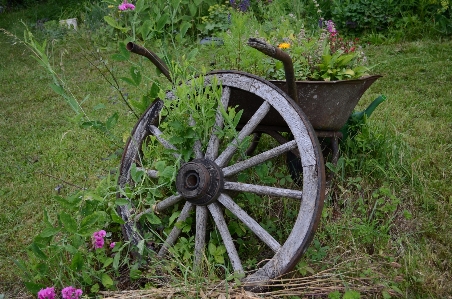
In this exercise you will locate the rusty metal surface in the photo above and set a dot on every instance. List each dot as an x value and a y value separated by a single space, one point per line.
329 104
200 181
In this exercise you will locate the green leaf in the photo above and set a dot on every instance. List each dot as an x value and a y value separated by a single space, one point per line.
139 6
57 88
128 81
111 121
136 174
193 8
350 294
212 248
349 72
34 288
107 262
106 280
116 260
68 222
124 53
162 22
155 89
49 232
95 288
37 251
47 218
112 22
87 278
121 202
184 28
146 28
140 247
334 295
135 273
192 54
71 249
153 219
115 217
136 75
89 220
173 217
77 262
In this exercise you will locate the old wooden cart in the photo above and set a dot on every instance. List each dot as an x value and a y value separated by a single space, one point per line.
208 185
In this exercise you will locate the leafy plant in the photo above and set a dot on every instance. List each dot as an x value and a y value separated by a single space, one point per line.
71 250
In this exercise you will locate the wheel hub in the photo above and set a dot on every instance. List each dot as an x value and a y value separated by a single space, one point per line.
200 181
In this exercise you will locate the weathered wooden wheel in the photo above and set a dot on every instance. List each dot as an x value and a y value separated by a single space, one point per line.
206 186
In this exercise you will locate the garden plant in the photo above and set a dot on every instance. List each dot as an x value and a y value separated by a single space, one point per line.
69 100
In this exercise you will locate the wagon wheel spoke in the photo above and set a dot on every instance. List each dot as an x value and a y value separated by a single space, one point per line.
254 121
153 174
252 224
263 190
166 144
222 227
175 232
260 158
168 202
212 147
200 238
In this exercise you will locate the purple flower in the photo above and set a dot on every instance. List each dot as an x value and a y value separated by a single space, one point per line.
47 293
125 6
331 27
71 293
112 245
244 4
98 239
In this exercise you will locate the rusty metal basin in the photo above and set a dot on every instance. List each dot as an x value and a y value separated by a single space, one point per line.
329 104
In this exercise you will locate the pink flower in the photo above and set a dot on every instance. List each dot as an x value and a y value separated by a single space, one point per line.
331 27
71 293
125 6
98 239
112 245
47 293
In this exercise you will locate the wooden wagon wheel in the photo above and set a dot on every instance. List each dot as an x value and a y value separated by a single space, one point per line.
205 185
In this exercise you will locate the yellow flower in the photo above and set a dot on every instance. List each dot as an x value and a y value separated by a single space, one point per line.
284 46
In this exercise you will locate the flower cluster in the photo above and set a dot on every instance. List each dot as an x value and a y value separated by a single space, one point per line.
71 293
47 293
126 5
323 57
98 239
67 293
331 27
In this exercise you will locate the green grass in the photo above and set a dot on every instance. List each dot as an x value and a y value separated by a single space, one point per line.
42 146
408 152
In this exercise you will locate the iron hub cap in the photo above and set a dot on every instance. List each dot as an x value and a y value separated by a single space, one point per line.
200 181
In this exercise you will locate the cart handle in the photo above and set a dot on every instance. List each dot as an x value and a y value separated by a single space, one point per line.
282 56
159 63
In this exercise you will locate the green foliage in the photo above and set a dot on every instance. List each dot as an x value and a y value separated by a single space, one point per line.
217 20
149 21
319 55
62 253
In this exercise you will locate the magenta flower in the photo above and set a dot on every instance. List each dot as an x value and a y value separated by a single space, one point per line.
98 239
112 245
71 293
125 6
47 293
331 27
